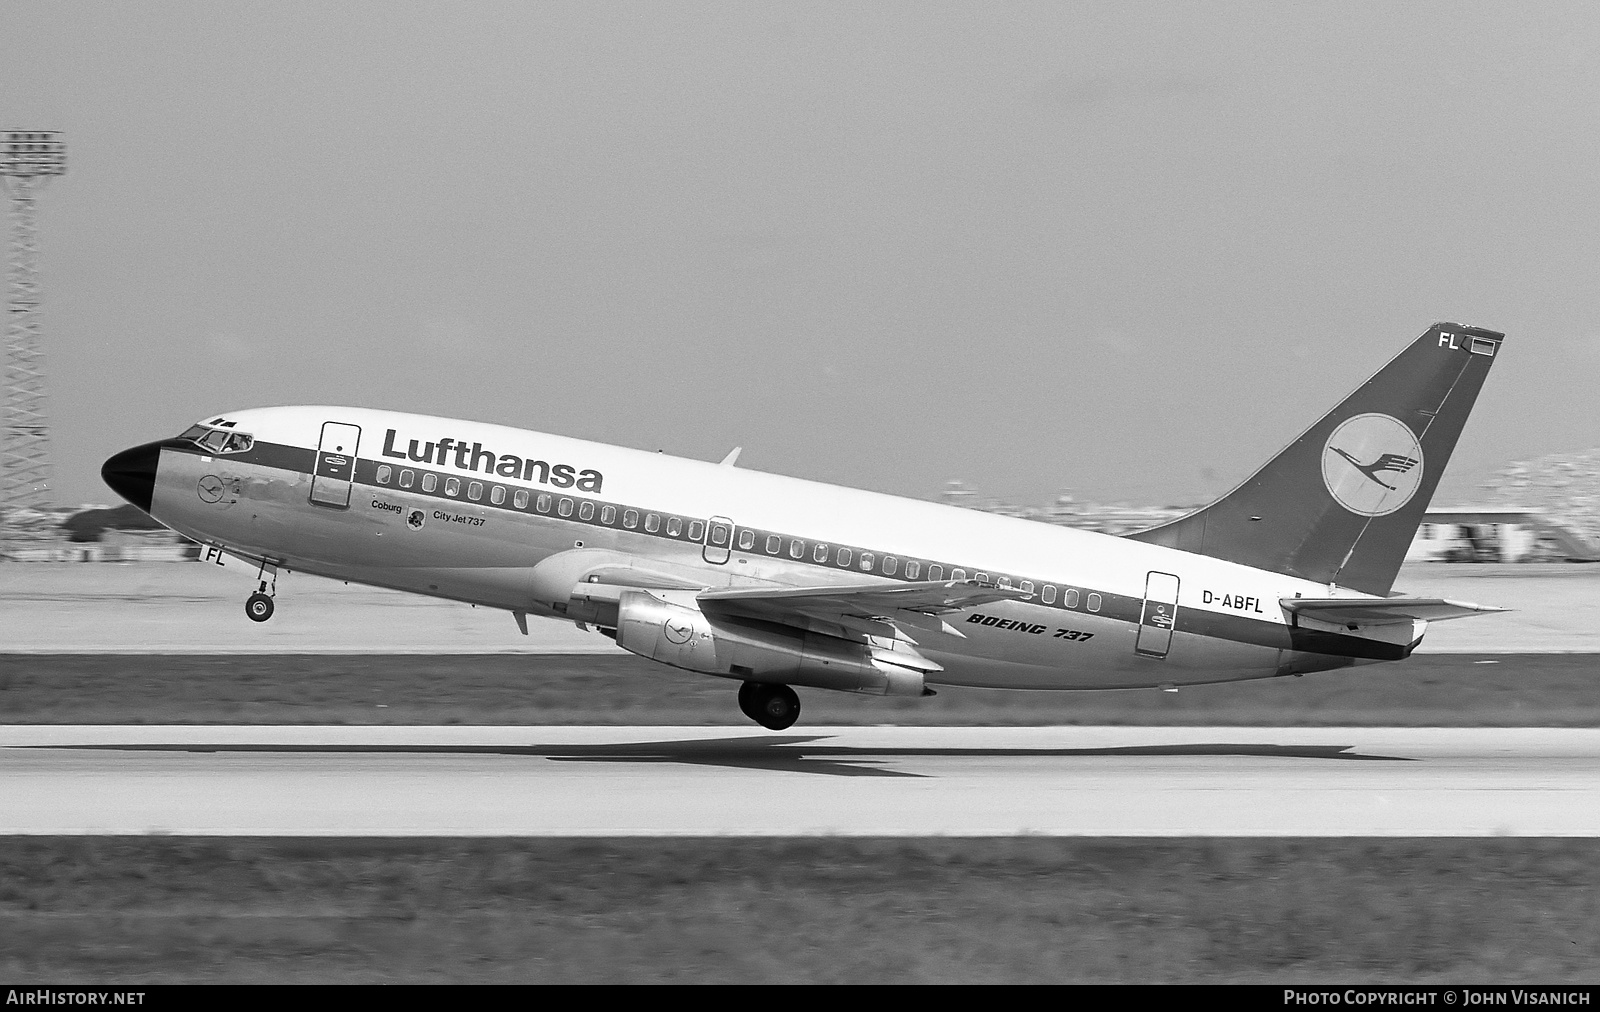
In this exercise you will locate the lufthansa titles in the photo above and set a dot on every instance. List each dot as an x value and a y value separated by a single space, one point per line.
451 452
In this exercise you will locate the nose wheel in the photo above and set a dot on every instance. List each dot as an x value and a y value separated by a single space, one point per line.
258 606
774 707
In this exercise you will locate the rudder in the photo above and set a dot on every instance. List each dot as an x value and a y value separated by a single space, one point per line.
1341 504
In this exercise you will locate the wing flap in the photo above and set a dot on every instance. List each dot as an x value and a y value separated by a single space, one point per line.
891 611
928 597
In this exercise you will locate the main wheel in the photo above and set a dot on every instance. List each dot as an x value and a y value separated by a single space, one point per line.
259 607
776 706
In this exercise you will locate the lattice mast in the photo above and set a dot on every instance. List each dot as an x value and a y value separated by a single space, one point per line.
28 158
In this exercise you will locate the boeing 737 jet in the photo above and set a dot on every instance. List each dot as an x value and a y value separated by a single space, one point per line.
774 582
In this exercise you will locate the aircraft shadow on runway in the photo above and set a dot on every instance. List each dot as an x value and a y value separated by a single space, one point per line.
782 753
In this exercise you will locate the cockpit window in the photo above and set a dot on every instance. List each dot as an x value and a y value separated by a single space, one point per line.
218 440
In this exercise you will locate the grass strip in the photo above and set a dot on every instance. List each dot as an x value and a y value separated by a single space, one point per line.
164 909
1449 690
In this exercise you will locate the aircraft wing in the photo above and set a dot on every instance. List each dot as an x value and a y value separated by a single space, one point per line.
929 597
918 605
1377 611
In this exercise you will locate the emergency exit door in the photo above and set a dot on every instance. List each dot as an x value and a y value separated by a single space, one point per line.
1159 615
719 540
335 469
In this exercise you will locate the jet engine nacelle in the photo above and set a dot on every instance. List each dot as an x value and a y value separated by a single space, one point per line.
668 626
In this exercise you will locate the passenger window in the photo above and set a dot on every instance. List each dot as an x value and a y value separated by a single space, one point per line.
586 510
630 519
958 574
773 544
719 535
890 564
430 482
1094 602
747 540
652 523
475 491
564 507
935 572
1026 586
608 514
981 577
497 495
867 559
452 486
819 553
1071 600
1005 583
383 474
1048 595
520 500
674 526
406 477
797 548
843 558
542 504
696 529
912 569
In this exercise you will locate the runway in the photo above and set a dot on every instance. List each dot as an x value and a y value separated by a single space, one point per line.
848 781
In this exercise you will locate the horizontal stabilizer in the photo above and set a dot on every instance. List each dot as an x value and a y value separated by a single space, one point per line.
1373 612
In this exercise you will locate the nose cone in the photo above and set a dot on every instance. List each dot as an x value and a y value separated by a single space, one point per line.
132 474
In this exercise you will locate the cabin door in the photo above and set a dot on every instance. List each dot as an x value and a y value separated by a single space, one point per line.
1159 615
335 469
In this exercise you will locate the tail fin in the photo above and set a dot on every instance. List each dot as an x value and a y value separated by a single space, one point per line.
1342 503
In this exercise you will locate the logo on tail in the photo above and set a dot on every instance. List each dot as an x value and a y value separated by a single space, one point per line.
1372 464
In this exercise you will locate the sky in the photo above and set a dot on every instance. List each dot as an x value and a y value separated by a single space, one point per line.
1122 251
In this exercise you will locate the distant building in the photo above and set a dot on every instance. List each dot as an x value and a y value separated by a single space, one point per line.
1447 534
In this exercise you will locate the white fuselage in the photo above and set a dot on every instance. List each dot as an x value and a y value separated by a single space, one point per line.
503 500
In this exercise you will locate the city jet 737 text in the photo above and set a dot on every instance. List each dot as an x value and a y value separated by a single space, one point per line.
774 582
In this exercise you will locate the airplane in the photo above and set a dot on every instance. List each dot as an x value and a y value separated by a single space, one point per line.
774 582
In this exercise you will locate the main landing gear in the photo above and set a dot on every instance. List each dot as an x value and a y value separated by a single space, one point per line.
774 707
259 605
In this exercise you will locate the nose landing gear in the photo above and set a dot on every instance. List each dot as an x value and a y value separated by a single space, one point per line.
259 605
774 707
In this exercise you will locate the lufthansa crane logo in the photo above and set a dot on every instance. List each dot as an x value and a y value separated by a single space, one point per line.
1372 464
678 630
209 488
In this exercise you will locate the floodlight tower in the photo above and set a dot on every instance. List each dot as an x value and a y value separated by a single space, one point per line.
28 158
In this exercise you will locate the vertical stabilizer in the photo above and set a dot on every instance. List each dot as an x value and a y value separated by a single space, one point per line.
1341 503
